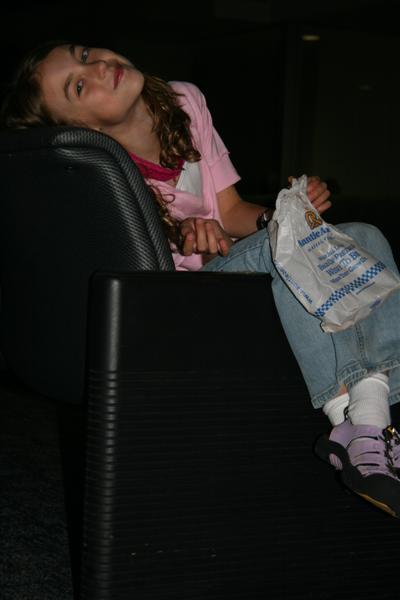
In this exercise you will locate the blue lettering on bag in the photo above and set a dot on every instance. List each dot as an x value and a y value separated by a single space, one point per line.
350 287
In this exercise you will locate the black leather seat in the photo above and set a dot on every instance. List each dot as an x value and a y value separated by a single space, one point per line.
67 211
94 314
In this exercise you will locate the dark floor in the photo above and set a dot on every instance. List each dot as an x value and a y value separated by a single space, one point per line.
334 541
34 558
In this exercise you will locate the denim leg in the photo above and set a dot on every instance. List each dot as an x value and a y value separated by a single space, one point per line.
327 360
373 344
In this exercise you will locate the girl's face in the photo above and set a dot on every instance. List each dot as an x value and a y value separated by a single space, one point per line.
90 86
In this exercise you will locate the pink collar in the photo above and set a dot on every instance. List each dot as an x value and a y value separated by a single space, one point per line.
150 170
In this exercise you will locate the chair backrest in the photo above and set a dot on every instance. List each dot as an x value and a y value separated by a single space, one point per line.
71 203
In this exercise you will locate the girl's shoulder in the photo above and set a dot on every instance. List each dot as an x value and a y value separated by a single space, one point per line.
190 96
186 88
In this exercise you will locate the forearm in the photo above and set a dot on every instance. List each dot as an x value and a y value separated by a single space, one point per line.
240 220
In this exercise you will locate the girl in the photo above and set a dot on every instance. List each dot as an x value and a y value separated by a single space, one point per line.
168 132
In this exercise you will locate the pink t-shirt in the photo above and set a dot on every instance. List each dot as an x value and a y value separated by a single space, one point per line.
216 170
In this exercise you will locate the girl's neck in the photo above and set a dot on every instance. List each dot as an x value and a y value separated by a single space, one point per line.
147 147
137 135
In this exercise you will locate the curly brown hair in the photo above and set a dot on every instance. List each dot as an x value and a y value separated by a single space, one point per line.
172 125
22 106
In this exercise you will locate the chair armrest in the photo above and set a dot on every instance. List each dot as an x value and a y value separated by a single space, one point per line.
174 321
185 417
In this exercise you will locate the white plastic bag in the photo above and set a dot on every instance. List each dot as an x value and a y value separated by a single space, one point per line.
329 273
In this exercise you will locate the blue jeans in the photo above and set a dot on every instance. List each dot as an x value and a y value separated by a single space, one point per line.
328 360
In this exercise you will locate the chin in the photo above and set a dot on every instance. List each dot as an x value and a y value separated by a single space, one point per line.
135 79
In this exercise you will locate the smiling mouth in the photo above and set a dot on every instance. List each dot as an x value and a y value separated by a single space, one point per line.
118 73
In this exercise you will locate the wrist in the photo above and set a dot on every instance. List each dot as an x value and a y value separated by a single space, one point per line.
264 218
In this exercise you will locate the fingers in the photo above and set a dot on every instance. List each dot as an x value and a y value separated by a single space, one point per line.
224 246
189 237
315 188
204 236
189 244
313 179
209 234
218 241
323 207
318 193
320 198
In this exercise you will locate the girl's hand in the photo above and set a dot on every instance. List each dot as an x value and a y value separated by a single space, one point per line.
318 193
204 236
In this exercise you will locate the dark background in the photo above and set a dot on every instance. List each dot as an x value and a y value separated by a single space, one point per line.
283 105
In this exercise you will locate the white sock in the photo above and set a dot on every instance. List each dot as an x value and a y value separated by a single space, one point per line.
334 408
369 403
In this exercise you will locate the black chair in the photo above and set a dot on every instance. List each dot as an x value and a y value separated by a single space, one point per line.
185 427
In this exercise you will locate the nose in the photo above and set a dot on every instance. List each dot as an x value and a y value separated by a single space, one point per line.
99 67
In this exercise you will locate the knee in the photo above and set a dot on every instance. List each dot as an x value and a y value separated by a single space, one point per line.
367 235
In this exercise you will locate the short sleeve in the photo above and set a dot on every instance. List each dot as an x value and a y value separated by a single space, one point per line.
206 139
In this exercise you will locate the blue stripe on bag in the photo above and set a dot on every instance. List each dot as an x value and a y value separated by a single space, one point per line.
350 287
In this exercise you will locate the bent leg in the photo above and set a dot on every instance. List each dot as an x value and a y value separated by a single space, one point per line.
313 349
375 341
328 360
